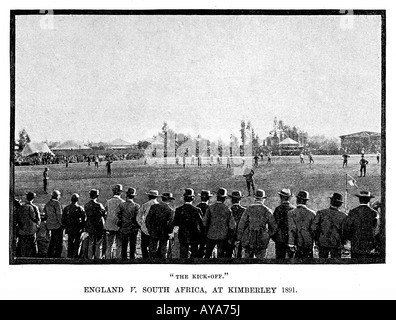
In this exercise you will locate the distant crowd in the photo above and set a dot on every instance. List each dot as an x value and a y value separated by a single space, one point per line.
115 229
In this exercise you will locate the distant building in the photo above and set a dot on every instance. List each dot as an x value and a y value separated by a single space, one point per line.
366 141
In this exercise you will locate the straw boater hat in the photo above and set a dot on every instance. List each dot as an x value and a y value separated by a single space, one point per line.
154 193
285 193
365 194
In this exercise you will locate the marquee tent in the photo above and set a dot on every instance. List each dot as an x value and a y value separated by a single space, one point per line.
34 148
71 145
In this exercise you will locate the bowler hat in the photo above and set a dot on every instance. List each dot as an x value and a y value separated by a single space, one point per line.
364 194
304 195
188 192
153 193
94 193
168 195
205 194
260 194
285 192
118 188
75 197
30 195
131 192
55 193
337 197
222 192
236 194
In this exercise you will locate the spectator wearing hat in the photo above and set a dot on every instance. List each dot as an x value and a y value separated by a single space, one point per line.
363 166
188 225
327 228
203 205
256 227
219 225
127 213
113 237
281 218
141 219
53 215
159 222
94 226
237 211
250 181
360 226
73 219
45 179
300 222
27 222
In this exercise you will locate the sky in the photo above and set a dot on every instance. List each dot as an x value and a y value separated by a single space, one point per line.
99 78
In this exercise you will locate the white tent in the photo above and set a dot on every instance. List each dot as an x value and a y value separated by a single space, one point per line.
71 145
35 147
289 141
120 144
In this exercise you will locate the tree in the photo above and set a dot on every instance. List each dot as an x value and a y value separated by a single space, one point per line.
143 144
23 139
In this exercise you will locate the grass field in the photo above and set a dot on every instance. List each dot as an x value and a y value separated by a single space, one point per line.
320 180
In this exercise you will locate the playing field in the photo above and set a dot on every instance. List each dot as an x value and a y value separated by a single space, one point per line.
320 179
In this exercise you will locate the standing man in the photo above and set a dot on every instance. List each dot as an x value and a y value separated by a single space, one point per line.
250 181
45 180
89 160
219 225
345 156
127 213
256 159
96 161
94 226
108 167
302 157
256 227
199 160
203 205
27 220
281 218
310 156
141 219
378 156
360 227
188 225
237 211
73 219
300 221
192 160
269 158
53 215
113 237
363 163
159 222
184 160
228 162
327 228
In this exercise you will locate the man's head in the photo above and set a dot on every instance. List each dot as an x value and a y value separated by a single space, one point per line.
236 197
30 196
75 197
152 194
167 197
302 197
336 200
221 195
188 195
365 197
285 195
131 193
205 195
117 190
94 194
45 169
259 195
55 195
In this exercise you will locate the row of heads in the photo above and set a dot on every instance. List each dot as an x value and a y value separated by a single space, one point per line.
221 192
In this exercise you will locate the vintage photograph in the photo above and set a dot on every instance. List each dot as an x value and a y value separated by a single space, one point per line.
197 137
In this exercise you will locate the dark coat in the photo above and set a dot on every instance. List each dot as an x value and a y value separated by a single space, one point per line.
28 219
189 220
219 222
359 227
281 219
127 213
95 212
300 222
327 228
159 221
204 207
73 218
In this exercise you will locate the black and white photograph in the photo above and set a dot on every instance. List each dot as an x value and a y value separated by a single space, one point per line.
220 139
